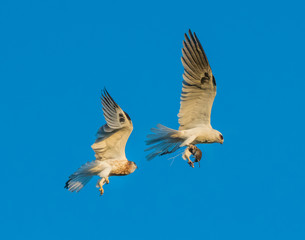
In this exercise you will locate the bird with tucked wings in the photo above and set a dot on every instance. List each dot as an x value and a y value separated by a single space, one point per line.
109 148
197 97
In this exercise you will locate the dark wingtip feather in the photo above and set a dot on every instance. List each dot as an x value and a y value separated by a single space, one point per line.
67 184
103 93
107 98
186 37
192 34
108 95
200 46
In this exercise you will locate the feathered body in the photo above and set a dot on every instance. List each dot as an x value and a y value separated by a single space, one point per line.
197 97
121 167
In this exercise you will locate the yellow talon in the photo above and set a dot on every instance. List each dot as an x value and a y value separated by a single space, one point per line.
107 180
101 188
191 163
101 191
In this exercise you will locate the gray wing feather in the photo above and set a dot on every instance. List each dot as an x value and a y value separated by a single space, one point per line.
112 137
198 86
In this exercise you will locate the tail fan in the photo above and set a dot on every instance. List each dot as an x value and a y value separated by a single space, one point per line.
82 176
162 141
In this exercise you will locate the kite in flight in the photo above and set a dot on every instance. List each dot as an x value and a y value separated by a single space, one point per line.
198 93
109 149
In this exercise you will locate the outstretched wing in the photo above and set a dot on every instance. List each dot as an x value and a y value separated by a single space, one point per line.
112 137
198 87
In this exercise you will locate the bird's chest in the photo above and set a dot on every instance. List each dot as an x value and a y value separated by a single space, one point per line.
203 137
120 168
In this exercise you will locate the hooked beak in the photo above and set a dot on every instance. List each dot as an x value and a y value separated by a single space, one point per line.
221 142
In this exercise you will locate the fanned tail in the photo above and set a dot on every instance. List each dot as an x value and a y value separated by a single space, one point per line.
82 176
163 141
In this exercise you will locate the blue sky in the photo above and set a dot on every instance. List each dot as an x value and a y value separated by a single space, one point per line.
56 56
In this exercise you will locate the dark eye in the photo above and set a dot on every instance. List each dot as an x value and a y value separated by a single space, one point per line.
221 137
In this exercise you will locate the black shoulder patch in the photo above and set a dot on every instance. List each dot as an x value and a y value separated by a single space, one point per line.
214 81
127 115
122 119
205 78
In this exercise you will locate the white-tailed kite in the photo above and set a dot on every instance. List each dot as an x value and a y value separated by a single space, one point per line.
109 149
198 93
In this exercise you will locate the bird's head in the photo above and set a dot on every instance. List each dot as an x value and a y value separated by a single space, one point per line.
217 136
220 138
133 166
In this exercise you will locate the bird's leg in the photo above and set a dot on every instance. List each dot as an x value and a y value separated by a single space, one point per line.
186 155
101 183
190 162
107 180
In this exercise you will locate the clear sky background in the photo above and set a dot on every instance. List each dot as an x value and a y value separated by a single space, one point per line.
56 56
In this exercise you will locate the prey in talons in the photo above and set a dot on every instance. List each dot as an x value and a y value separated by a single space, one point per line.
195 152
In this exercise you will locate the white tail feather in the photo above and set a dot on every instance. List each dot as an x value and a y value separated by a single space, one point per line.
162 141
83 175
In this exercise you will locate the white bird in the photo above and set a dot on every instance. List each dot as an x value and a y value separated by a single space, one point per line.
198 93
109 149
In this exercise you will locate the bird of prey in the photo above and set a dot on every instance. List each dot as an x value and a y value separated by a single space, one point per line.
198 93
109 149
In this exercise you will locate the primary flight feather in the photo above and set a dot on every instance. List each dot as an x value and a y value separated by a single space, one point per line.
197 97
